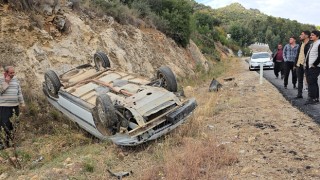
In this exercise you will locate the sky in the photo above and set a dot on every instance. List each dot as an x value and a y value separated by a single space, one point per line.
306 12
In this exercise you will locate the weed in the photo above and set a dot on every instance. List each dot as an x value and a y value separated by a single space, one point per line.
88 166
194 160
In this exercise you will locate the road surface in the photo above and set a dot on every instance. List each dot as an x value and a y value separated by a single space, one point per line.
312 110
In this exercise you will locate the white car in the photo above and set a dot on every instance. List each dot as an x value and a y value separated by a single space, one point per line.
258 58
123 107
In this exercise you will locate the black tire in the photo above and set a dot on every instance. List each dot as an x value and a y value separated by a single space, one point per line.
101 60
104 115
52 83
167 79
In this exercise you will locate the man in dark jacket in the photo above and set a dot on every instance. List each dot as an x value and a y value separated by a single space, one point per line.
278 62
300 59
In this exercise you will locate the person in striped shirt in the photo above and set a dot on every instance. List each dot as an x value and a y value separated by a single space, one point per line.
10 99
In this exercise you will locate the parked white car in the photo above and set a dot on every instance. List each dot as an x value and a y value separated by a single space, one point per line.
123 107
258 58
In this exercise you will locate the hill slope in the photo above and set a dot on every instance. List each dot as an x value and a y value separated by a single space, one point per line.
35 50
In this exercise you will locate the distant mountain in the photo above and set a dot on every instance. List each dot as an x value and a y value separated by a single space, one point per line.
235 12
250 25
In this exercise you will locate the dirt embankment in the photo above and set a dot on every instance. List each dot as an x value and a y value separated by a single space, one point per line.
34 50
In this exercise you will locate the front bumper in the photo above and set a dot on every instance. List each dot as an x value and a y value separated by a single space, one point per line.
173 120
264 66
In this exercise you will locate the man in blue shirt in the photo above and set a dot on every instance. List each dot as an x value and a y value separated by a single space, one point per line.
290 52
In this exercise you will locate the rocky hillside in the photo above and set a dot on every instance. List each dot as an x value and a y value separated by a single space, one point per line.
34 43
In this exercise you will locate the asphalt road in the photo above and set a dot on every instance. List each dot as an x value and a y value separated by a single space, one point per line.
312 110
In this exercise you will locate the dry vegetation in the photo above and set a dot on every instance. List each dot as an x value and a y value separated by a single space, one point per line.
50 145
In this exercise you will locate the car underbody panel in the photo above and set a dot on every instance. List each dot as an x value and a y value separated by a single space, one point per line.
141 110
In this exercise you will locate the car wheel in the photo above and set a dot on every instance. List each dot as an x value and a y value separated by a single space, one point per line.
52 82
101 60
167 79
104 115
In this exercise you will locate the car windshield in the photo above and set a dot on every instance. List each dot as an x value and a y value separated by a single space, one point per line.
261 55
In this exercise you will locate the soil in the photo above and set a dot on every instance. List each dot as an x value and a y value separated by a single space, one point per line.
273 139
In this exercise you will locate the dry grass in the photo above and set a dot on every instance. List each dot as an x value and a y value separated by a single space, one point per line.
193 159
190 152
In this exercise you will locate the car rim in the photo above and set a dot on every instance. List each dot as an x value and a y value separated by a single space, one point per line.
163 82
50 85
98 62
101 113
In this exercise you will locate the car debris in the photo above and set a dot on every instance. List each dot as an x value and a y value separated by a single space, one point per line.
229 79
123 107
214 85
120 175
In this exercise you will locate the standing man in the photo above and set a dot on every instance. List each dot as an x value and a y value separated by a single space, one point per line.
300 60
10 99
289 55
278 61
313 68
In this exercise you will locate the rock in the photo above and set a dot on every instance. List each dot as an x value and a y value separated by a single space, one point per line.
121 155
210 127
252 138
65 126
35 177
46 9
4 176
67 161
247 170
188 88
59 21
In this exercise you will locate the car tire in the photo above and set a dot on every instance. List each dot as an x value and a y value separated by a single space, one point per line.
167 78
52 83
101 60
104 115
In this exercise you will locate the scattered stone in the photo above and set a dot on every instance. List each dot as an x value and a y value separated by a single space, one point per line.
35 177
68 160
121 155
252 138
65 126
4 176
188 88
210 127
38 160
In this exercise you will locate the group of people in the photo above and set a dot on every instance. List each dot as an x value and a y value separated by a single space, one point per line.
303 61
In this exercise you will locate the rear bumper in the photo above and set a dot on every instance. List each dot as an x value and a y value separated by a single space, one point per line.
173 120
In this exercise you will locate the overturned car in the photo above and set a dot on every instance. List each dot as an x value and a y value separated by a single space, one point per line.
120 106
